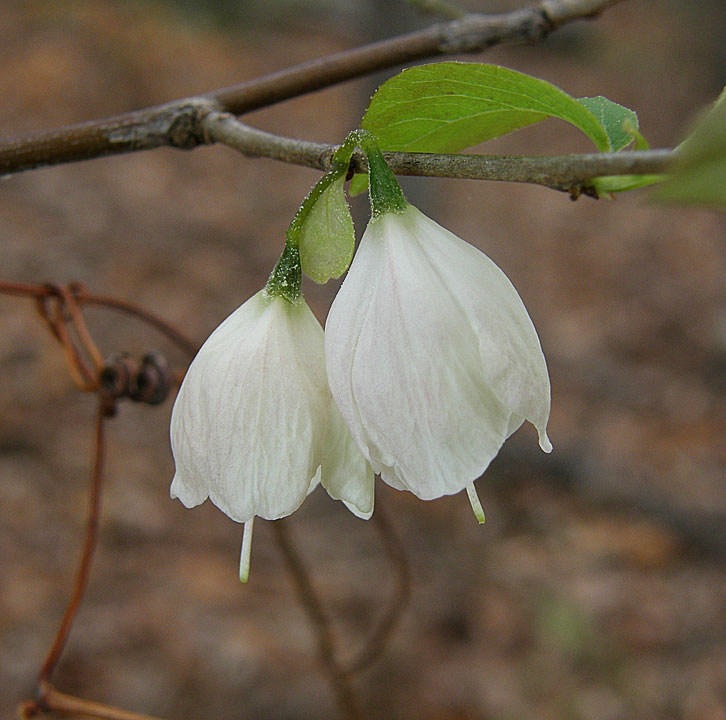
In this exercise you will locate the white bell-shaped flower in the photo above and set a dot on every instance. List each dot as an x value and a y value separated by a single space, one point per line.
431 357
254 427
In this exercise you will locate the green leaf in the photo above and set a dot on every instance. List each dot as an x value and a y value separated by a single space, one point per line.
358 184
699 175
327 237
446 107
620 123
621 183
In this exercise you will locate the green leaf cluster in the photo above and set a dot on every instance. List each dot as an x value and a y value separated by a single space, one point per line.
449 106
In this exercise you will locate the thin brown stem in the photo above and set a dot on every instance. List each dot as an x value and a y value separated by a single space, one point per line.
179 123
52 700
396 556
24 290
79 325
83 377
83 297
166 328
346 696
89 545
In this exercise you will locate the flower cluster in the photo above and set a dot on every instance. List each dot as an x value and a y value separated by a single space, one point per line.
429 361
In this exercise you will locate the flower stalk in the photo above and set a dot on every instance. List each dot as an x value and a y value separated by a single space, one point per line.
285 279
385 192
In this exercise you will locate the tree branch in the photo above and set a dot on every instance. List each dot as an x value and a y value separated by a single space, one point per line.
340 682
396 556
58 703
179 123
564 172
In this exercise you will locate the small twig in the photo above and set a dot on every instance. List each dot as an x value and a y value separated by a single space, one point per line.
70 303
51 700
89 545
344 692
84 377
83 297
24 290
396 555
179 123
130 308
559 172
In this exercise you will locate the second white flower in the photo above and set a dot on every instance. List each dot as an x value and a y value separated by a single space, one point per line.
431 356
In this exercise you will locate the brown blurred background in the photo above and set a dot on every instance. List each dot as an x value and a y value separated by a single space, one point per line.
595 590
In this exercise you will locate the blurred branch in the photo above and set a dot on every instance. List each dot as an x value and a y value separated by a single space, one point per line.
347 698
568 173
53 701
89 545
179 123
397 557
80 296
340 675
441 8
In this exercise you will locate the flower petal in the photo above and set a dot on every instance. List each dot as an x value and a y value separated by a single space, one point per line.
249 422
346 474
414 398
512 361
342 329
189 493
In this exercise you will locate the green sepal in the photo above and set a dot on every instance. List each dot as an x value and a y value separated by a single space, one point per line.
286 276
385 192
326 235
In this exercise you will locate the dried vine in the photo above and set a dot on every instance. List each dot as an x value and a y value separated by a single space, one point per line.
60 307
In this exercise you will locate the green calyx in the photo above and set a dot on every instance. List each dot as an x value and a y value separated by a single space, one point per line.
385 192
286 276
320 240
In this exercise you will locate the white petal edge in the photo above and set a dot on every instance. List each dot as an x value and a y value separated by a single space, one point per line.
346 475
511 353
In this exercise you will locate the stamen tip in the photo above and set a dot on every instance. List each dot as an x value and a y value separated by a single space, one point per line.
475 504
244 559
